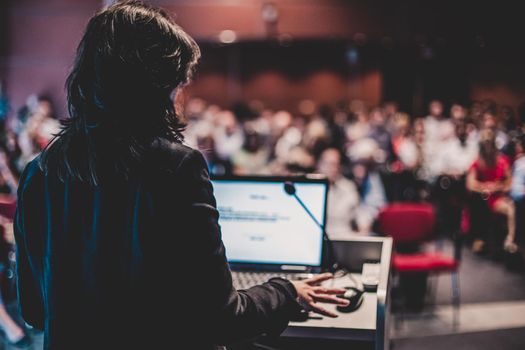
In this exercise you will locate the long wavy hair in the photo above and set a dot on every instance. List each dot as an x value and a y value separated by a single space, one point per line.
130 63
488 152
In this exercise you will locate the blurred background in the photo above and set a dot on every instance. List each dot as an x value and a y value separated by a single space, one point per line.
403 105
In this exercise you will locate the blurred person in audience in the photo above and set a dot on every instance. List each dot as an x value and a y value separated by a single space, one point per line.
194 115
228 136
298 161
8 180
343 198
404 184
38 131
476 111
379 133
284 135
453 161
206 144
335 122
316 137
13 333
508 124
490 176
390 109
194 109
489 121
517 190
403 144
359 128
508 120
243 112
371 192
437 127
17 122
8 153
458 113
364 148
262 123
457 153
422 163
437 130
252 158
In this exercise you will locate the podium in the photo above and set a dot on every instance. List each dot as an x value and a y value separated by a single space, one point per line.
366 327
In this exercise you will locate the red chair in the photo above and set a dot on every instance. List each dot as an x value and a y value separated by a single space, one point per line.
413 224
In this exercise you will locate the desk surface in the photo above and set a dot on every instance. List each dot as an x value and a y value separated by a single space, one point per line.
359 324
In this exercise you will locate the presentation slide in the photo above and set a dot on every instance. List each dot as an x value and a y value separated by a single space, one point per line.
261 223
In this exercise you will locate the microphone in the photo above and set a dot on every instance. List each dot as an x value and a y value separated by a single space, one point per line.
291 190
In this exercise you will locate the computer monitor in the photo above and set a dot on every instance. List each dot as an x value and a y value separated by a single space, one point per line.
264 226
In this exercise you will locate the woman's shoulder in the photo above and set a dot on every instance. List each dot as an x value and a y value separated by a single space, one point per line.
171 155
31 173
174 149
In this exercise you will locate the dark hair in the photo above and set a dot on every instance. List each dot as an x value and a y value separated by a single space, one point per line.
487 148
129 62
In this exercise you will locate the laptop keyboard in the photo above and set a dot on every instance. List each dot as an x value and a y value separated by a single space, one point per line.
245 280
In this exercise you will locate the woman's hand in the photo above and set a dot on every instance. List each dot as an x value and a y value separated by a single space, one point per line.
310 294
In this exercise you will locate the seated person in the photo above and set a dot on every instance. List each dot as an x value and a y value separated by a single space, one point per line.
490 176
372 197
343 198
252 158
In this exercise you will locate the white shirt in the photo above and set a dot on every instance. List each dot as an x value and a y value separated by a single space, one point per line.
453 158
343 200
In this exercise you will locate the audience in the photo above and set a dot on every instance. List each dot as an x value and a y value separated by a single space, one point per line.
372 155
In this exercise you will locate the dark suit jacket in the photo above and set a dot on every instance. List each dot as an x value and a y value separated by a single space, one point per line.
136 262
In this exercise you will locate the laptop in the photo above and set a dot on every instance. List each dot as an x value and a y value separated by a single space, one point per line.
266 231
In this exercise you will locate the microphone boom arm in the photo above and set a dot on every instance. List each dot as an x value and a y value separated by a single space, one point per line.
308 212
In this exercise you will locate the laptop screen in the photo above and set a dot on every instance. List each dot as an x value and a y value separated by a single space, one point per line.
262 224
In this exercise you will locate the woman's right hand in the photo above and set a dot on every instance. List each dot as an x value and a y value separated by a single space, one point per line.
310 294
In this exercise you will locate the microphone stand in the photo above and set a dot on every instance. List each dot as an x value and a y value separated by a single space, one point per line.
290 189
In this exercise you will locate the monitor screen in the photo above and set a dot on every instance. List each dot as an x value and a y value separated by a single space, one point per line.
262 224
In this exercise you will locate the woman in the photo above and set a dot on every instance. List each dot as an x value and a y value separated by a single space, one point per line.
490 176
118 243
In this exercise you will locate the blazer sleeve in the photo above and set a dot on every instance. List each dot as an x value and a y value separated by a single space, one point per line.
29 296
231 315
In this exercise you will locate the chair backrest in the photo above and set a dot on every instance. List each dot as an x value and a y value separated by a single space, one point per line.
407 222
7 207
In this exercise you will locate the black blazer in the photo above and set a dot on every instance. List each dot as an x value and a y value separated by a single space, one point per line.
136 262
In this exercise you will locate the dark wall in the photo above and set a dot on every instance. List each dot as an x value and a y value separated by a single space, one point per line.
282 76
42 38
3 37
420 50
204 19
409 51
